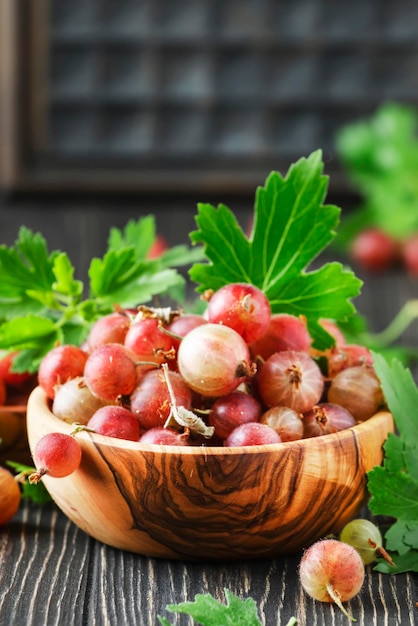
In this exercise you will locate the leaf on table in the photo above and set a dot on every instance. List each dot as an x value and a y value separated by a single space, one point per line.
407 562
393 487
291 228
393 493
209 612
402 536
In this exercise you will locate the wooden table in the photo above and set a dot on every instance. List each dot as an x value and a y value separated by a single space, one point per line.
52 574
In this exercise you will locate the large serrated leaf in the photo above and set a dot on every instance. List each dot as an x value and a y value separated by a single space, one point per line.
291 229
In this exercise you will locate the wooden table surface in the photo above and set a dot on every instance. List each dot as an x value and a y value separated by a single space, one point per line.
53 574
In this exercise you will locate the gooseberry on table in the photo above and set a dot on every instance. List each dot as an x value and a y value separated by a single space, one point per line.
332 571
10 496
365 536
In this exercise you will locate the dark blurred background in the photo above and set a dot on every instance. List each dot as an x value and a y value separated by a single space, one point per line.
113 110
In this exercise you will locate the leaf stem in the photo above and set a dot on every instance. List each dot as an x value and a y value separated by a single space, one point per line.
336 598
404 318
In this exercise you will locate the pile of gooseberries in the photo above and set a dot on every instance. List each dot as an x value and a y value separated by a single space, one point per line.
237 375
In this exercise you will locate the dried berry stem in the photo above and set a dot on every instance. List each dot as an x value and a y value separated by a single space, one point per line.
337 599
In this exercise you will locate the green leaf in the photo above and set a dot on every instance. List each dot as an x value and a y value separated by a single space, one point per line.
141 235
32 336
292 226
138 234
121 279
116 269
28 261
18 307
25 267
28 359
26 332
393 486
402 536
73 333
209 612
393 494
181 255
407 562
64 273
38 493
380 155
41 303
143 289
401 394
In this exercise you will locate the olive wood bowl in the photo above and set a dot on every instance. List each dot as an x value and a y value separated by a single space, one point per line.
213 502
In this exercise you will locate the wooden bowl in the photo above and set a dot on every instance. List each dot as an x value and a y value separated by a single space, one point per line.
13 439
213 503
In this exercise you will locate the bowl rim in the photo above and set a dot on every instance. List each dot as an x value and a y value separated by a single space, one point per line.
38 401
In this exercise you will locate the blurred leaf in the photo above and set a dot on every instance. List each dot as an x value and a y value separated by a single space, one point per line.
380 156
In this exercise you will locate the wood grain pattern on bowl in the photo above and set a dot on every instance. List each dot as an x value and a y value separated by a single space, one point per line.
213 503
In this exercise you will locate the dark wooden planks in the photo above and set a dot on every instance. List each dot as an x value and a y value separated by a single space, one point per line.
52 573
